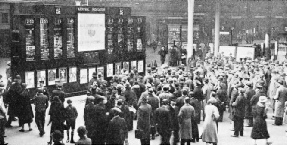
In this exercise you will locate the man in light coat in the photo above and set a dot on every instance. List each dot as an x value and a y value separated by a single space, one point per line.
280 99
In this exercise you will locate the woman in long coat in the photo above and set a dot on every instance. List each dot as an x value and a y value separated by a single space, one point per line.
209 134
25 109
186 114
259 130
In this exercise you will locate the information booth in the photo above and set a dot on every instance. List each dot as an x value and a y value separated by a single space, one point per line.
69 43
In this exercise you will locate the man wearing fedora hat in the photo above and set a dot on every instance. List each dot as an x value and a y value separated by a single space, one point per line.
93 84
248 108
13 96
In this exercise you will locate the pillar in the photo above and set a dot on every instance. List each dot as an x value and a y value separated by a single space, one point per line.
190 30
217 27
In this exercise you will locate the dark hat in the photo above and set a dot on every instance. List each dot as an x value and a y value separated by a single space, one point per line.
94 74
69 101
249 84
280 81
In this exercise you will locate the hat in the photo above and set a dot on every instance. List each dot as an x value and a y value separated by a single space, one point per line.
197 83
69 101
18 77
91 98
59 84
259 85
212 100
40 90
280 81
262 99
165 101
249 84
94 74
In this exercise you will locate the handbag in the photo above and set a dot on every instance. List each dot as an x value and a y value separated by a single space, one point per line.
138 134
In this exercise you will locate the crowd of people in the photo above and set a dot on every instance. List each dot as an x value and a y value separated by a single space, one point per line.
170 102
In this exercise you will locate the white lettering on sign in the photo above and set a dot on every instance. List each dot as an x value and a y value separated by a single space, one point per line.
83 9
29 21
98 9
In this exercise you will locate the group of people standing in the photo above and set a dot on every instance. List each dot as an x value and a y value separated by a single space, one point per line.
168 103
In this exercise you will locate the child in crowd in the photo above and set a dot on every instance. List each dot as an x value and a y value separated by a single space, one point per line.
58 138
84 140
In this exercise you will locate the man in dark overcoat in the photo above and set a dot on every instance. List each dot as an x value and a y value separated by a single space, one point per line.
198 95
164 122
144 113
248 108
13 97
117 132
259 92
239 112
89 116
41 102
100 122
154 102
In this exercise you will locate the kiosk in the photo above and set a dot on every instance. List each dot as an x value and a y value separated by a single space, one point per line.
69 43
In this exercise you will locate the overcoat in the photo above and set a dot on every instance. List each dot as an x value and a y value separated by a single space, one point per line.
163 119
280 98
209 126
186 113
117 131
248 108
144 113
